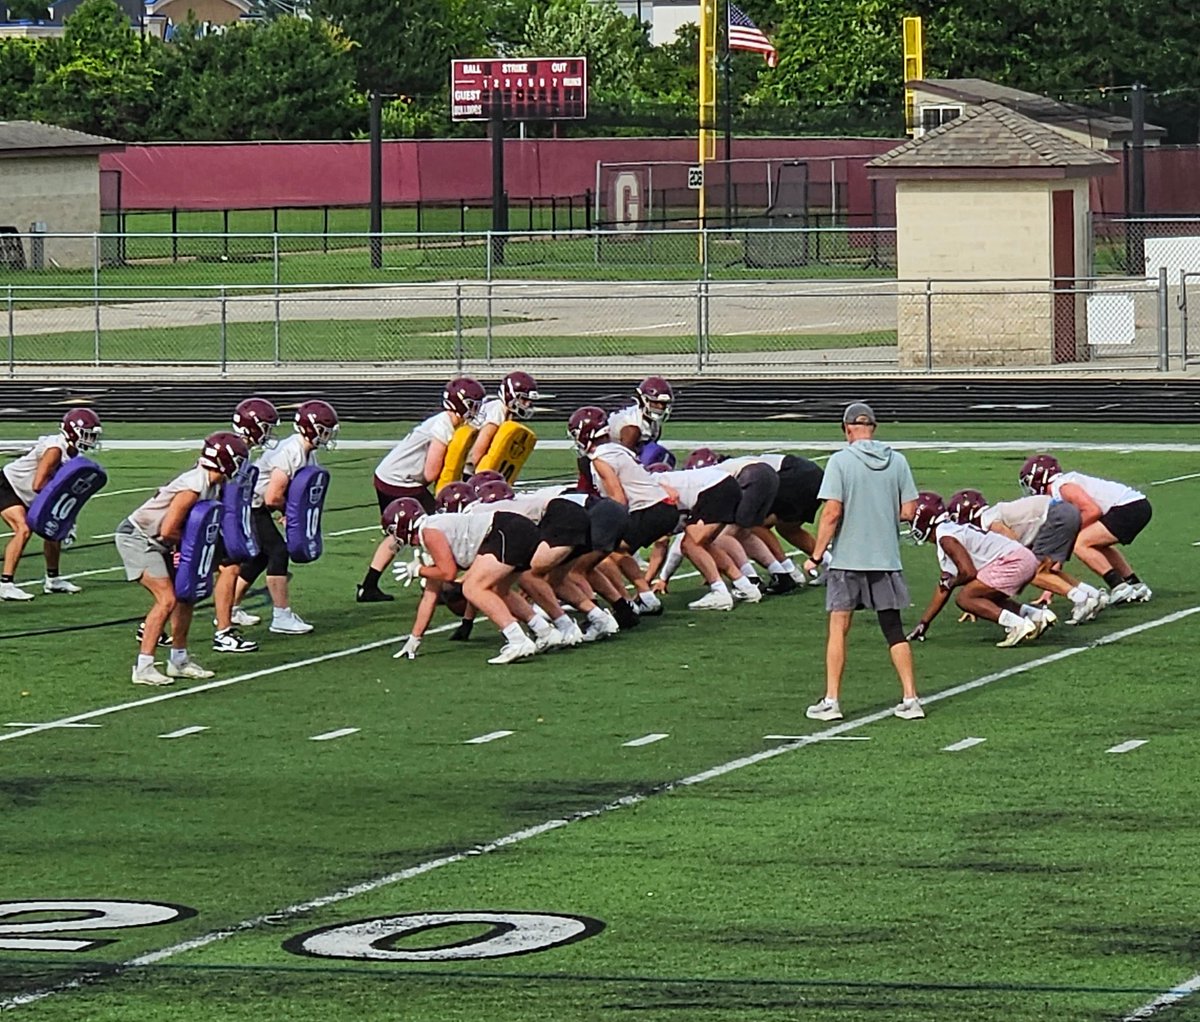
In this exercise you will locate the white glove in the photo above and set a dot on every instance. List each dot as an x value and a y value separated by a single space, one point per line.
409 649
406 571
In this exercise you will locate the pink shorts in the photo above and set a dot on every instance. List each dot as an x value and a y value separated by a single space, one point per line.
1009 573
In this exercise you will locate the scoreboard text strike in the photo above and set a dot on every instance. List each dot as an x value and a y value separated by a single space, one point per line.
544 89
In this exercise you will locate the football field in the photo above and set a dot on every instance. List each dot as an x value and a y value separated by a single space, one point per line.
646 828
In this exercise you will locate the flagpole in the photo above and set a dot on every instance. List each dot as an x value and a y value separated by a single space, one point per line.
727 68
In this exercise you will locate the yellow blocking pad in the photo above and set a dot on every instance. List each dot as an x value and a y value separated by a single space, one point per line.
456 455
509 450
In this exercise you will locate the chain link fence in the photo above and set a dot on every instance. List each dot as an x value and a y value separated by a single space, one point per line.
683 302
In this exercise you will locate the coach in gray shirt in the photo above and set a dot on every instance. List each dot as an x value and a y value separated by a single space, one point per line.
868 490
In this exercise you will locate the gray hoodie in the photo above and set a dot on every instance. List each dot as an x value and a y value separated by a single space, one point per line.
871 481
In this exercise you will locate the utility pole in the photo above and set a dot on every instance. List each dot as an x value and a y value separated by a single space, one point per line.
727 69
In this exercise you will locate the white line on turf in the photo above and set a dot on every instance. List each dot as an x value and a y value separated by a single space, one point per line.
183 732
966 743
830 738
76 574
650 739
491 736
1176 479
1172 996
17 723
1129 746
347 532
122 493
632 799
329 736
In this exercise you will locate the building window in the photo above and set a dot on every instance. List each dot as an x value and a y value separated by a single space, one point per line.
935 116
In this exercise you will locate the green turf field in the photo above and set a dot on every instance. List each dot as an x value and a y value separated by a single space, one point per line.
709 874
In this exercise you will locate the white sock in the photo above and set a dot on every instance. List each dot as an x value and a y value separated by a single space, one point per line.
777 568
788 566
744 585
1077 595
178 656
145 660
596 615
564 624
1010 620
539 626
719 587
280 611
749 573
514 632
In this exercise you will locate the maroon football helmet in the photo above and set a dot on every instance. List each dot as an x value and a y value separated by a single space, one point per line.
463 396
81 428
493 491
929 514
487 475
655 396
702 457
317 422
588 426
224 452
401 519
965 507
519 391
454 497
1037 472
256 418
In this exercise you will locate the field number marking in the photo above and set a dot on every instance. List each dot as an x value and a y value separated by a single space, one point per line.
966 743
183 732
1129 746
644 740
329 736
491 736
81 915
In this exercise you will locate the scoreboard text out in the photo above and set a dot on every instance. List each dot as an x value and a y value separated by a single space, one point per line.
541 89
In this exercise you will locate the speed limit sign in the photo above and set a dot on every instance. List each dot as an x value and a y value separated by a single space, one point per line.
696 177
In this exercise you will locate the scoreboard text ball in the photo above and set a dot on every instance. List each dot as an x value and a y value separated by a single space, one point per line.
542 89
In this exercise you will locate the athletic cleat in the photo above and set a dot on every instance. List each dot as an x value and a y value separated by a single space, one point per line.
12 591
826 709
602 629
758 583
1142 593
572 636
288 622
747 595
373 594
57 584
150 675
511 651
625 614
1102 601
242 618
712 601
230 641
1084 610
163 638
548 640
797 575
1122 593
781 583
909 709
648 604
188 669
1045 620
1027 629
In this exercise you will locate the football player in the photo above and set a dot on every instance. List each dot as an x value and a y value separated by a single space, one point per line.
316 426
255 420
1112 514
414 465
148 542
518 392
640 423
988 569
1047 527
22 480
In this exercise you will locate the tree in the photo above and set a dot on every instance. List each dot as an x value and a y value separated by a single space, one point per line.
18 70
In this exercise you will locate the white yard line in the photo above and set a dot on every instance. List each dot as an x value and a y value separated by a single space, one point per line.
1172 996
966 743
349 532
183 732
491 736
341 732
1129 746
122 493
626 801
77 574
650 739
1176 479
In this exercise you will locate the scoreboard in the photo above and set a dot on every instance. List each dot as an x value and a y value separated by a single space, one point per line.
537 89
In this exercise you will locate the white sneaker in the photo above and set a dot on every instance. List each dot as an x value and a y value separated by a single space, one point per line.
12 591
511 651
799 577
1084 610
648 603
712 600
1142 593
231 641
1122 593
572 636
826 709
909 709
1027 629
751 595
1102 601
150 675
549 640
59 585
601 629
1046 619
288 622
242 619
188 669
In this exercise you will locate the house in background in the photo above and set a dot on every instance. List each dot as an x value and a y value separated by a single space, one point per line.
936 101
663 16
149 17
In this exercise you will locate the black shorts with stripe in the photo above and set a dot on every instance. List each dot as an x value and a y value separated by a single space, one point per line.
799 484
512 540
565 523
651 523
718 504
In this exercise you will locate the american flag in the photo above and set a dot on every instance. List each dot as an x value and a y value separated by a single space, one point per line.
743 34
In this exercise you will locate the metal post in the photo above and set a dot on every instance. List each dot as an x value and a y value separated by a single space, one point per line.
96 294
1164 333
488 257
12 338
489 322
375 128
224 333
707 321
699 327
1183 317
596 217
706 247
458 327
275 263
928 326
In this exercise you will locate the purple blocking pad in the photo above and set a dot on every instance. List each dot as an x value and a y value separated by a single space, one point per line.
53 511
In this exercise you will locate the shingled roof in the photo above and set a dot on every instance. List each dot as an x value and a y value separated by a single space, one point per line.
32 138
987 141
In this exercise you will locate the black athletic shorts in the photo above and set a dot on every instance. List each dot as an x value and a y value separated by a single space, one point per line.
760 486
650 524
565 523
8 496
799 484
272 549
386 494
221 554
1125 521
609 523
718 504
511 540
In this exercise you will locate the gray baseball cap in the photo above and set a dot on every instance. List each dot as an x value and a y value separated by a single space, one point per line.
858 414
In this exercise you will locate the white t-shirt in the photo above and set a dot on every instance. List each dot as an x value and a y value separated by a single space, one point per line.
982 547
464 531
531 504
148 518
22 472
492 412
288 456
732 466
404 464
642 489
692 482
632 415
1024 516
1104 492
